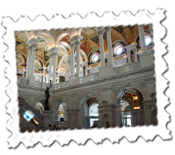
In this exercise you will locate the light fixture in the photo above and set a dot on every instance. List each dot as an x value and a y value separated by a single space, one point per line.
118 50
135 97
148 40
95 58
137 107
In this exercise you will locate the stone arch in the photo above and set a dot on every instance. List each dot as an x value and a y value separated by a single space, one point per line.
56 109
30 34
63 57
84 118
116 93
61 36
83 53
118 41
84 97
66 45
62 99
63 48
48 37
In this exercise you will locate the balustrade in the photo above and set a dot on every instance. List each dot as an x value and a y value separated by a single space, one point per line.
126 67
134 66
90 77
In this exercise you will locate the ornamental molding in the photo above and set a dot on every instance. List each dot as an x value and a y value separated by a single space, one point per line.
31 42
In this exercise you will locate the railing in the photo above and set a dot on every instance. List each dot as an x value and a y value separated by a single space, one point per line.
90 77
23 81
39 84
134 66
61 85
127 68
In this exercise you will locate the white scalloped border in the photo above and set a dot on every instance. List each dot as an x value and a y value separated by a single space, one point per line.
97 135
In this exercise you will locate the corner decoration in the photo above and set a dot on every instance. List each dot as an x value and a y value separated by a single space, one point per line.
160 146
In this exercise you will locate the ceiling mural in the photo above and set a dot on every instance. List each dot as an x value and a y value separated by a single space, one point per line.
38 65
21 60
48 39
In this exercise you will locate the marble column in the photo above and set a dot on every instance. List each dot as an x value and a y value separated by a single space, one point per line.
129 55
31 47
44 74
52 56
134 119
68 68
72 60
102 53
54 67
28 62
150 30
58 79
50 67
147 112
130 48
142 39
119 118
138 118
33 60
110 53
78 58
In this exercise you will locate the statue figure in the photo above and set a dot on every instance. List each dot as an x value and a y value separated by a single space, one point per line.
46 107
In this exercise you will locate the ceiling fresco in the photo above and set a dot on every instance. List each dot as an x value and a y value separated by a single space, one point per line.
60 37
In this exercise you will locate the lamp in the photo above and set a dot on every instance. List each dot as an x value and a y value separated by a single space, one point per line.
135 97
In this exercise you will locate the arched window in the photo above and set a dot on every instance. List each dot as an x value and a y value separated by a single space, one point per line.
93 114
95 58
93 111
148 40
118 50
61 113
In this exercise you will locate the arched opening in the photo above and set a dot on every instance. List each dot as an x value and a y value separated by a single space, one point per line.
94 115
60 115
89 112
130 101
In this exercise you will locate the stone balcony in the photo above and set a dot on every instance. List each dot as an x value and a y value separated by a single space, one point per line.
146 61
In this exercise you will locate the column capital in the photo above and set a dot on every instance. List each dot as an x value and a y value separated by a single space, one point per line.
108 29
53 51
75 39
101 31
78 43
72 45
31 42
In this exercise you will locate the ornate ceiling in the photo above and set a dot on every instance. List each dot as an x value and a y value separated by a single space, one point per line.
60 37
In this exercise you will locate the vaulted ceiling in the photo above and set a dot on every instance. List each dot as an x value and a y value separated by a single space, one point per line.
60 37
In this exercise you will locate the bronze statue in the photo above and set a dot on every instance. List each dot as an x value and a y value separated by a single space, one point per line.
47 99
